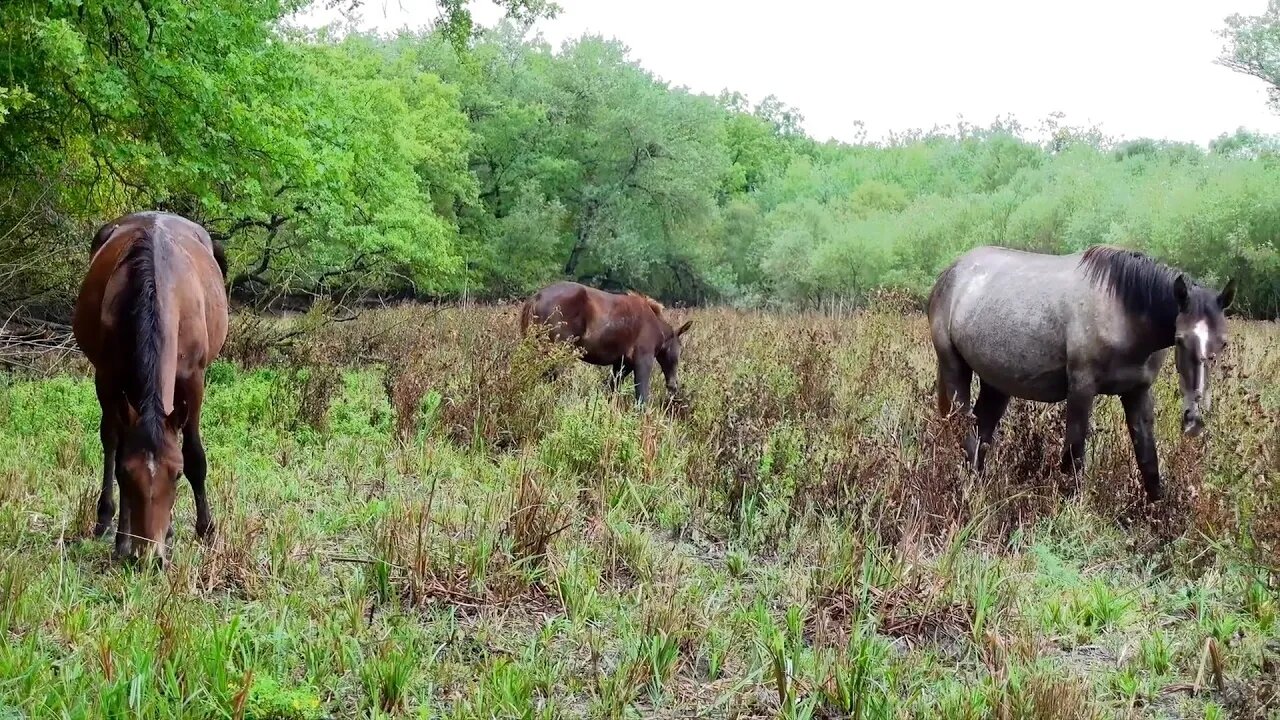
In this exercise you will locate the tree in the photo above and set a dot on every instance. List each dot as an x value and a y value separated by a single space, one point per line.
322 165
115 104
456 22
1253 48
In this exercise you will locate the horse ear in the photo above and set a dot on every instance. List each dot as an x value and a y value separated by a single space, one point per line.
177 419
1228 294
1181 291
684 328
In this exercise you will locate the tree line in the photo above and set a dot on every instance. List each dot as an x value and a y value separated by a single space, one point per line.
465 162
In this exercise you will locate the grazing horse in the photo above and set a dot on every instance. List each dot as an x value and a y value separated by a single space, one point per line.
151 316
626 332
1054 328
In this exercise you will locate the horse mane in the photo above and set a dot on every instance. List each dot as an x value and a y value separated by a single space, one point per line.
141 310
1143 286
654 305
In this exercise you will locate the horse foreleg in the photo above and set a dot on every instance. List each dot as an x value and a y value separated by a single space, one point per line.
109 434
1079 411
196 467
990 409
1140 415
124 525
194 463
643 368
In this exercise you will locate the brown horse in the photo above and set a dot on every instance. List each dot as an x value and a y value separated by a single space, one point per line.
625 332
151 316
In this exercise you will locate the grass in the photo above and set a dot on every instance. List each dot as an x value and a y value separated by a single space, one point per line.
413 523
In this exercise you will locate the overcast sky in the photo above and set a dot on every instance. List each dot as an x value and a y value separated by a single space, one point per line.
1135 67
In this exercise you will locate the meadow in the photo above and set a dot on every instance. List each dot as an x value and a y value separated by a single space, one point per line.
414 523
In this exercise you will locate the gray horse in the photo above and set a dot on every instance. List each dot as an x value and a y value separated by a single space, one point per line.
1051 328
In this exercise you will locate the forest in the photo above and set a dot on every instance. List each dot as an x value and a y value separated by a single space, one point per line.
464 162
421 511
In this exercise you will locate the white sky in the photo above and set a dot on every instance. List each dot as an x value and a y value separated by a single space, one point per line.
1135 67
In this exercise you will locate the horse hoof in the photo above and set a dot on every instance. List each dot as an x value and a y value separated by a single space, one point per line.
206 532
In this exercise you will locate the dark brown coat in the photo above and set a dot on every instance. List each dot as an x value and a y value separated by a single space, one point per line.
625 332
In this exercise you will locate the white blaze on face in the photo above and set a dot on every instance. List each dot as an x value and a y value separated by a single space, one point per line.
1201 331
151 464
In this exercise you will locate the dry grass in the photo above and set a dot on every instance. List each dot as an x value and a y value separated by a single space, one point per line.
422 512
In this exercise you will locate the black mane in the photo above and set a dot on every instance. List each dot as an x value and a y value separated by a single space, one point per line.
1143 286
143 321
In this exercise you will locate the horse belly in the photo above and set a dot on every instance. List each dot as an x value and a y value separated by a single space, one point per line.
1040 384
1019 350
599 358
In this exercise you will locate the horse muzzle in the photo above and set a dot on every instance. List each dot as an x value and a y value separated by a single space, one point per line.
1192 423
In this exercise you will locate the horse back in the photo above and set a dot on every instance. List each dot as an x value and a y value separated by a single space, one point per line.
1012 317
606 326
183 225
563 307
190 296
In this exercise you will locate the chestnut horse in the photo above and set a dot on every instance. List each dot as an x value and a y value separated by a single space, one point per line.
625 332
151 316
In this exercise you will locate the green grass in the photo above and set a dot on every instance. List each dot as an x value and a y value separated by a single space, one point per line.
421 528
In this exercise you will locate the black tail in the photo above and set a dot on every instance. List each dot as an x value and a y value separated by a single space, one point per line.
144 336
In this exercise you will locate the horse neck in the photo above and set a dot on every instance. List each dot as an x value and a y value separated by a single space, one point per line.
654 327
1152 333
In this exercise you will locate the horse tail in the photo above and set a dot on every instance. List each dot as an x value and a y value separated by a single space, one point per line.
939 333
526 315
145 336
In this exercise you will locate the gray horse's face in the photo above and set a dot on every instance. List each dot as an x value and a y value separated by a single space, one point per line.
1200 336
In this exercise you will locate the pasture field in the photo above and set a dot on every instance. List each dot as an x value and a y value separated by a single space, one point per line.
413 523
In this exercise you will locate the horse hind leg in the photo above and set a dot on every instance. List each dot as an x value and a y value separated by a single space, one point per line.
989 410
955 379
954 386
618 372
